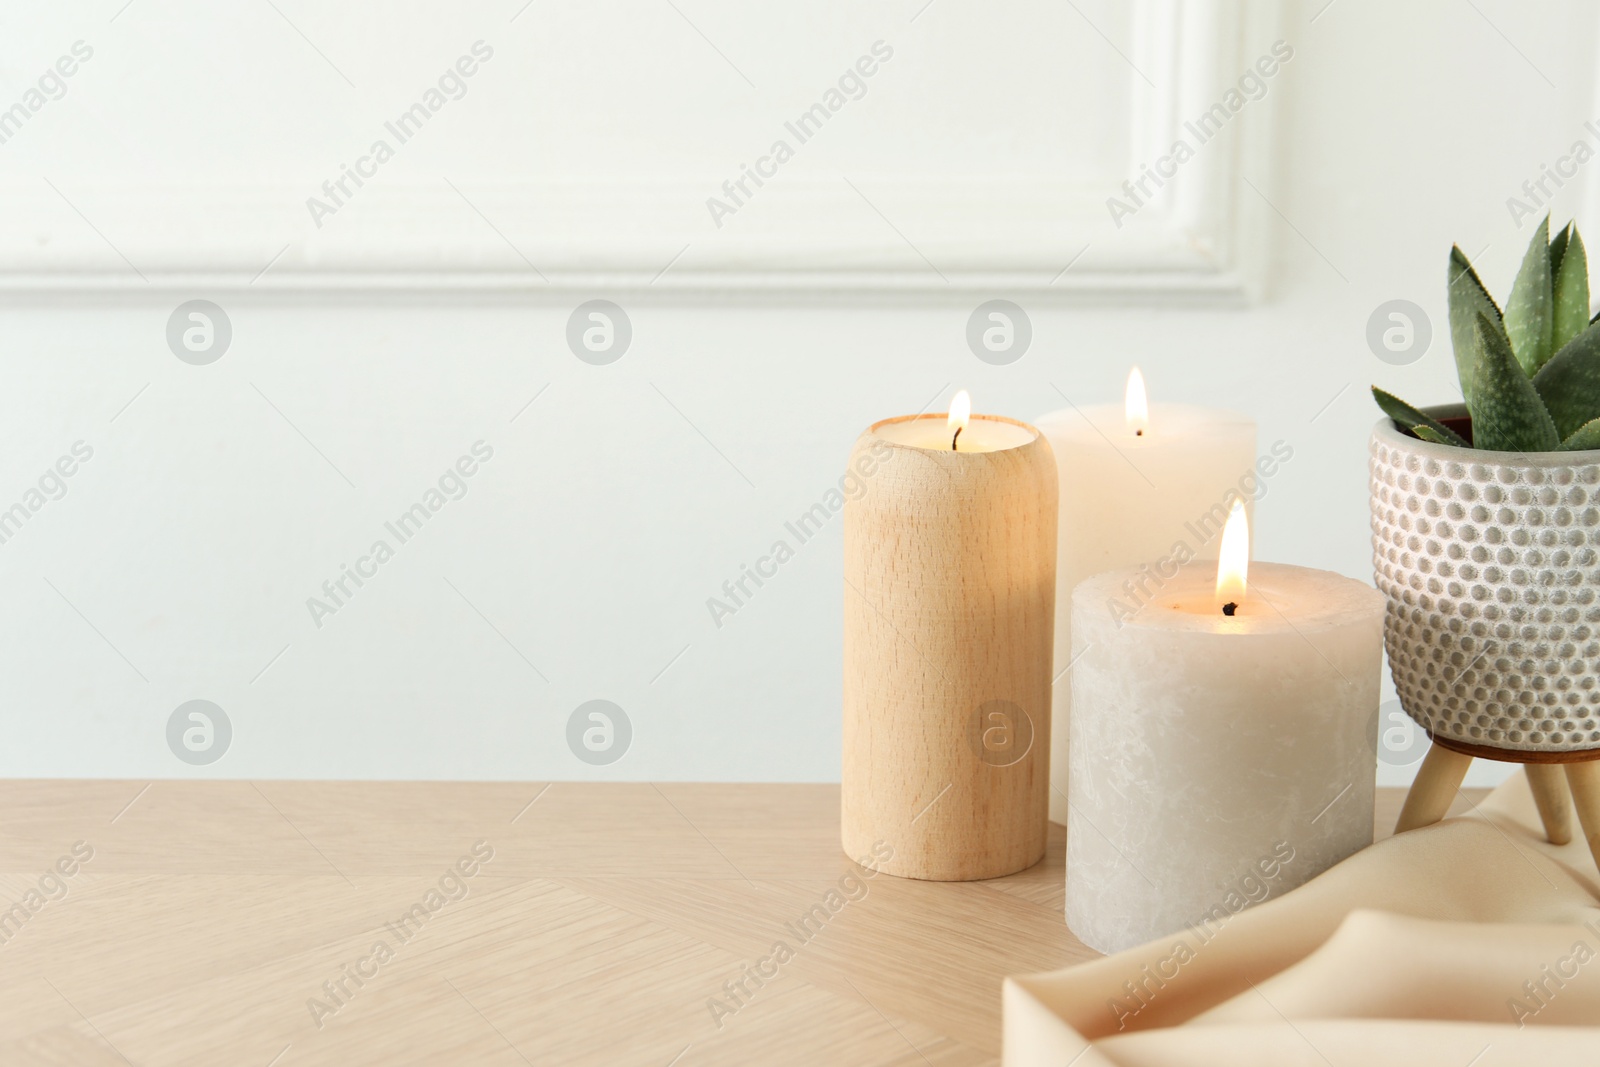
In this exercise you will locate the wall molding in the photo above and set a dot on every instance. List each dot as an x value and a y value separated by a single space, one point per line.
1205 236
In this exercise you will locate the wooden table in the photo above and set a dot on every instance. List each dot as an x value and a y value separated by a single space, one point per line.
609 918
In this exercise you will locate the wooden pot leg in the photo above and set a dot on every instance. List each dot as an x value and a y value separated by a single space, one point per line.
1550 793
1584 778
1438 780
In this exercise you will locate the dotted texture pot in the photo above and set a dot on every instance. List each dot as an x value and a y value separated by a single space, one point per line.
1491 565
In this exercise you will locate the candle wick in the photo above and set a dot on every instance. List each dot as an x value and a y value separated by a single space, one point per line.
1229 608
953 438
1138 433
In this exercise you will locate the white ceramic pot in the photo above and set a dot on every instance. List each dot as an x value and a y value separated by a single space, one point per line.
1491 565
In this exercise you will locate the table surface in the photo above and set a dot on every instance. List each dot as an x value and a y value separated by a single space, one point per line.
211 915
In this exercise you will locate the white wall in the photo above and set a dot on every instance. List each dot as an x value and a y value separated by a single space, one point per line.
178 564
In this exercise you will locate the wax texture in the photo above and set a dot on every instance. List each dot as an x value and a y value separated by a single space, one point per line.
1216 762
1126 501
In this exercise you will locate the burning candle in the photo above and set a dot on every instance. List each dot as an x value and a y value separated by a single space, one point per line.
1140 484
1223 739
949 601
955 431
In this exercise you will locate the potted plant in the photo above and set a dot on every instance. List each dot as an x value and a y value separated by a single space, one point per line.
1486 541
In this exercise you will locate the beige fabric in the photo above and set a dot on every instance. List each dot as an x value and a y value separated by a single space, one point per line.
1475 942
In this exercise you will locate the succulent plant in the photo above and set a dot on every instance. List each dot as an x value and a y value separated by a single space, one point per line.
1530 374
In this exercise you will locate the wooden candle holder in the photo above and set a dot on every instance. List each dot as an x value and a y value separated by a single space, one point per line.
949 612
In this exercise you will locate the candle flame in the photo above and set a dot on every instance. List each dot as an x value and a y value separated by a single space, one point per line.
960 415
1233 561
1135 404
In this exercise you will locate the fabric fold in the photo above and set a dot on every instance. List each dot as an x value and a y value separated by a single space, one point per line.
1474 927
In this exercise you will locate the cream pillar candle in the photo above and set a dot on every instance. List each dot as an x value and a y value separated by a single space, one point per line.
949 569
1217 759
1139 483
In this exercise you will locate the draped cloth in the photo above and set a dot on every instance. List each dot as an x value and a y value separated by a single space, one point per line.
1471 942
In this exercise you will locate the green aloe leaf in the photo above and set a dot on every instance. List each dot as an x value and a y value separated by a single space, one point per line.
1571 274
1587 437
1530 313
1406 415
1428 433
1558 248
1468 300
1507 414
1569 384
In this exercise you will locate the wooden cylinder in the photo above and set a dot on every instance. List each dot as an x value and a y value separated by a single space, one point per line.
949 611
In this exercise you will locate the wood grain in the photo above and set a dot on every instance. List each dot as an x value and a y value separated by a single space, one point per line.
606 922
1435 789
949 618
1548 783
1584 781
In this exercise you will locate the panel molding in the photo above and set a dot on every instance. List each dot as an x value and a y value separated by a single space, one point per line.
1204 236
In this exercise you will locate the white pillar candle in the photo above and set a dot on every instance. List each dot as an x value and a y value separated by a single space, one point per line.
1217 760
1139 484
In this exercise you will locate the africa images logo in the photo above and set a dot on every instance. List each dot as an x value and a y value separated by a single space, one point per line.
452 485
851 85
451 85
